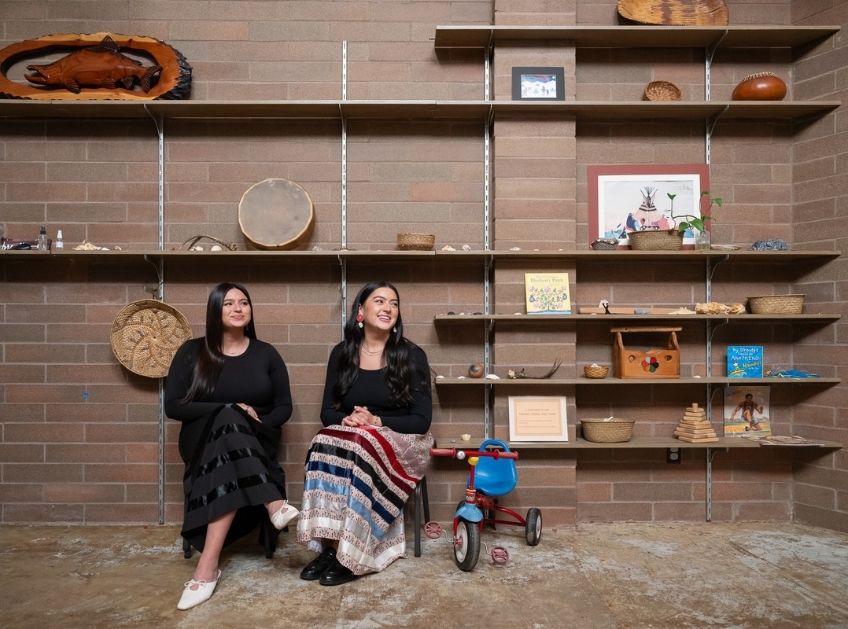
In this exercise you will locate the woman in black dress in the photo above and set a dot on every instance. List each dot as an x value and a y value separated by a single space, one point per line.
364 464
231 392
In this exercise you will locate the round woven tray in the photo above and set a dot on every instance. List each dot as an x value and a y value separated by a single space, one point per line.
416 242
776 304
145 336
605 430
661 90
656 240
675 12
596 371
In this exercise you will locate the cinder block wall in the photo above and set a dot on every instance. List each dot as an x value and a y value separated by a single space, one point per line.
79 435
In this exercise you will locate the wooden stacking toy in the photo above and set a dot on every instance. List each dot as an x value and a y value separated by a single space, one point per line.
695 427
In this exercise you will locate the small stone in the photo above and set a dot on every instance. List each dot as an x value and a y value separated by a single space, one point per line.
448 248
216 248
491 376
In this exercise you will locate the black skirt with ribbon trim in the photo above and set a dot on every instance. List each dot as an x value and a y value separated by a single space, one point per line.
233 467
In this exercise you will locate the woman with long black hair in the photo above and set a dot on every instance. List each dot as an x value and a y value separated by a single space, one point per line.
364 464
231 392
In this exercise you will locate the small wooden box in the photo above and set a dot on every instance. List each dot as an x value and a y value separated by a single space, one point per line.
651 363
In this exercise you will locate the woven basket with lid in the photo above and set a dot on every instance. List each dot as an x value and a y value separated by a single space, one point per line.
145 336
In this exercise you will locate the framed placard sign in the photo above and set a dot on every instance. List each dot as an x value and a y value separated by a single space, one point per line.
535 418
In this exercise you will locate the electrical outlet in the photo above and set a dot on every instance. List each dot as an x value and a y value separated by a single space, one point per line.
672 455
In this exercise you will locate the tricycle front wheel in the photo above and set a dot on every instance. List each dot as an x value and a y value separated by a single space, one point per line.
466 545
533 526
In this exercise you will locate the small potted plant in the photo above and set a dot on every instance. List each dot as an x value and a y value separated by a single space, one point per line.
698 224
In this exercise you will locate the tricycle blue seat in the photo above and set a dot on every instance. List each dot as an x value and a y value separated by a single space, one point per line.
495 477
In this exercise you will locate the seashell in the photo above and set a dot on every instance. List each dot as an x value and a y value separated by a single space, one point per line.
216 248
465 436
760 86
491 376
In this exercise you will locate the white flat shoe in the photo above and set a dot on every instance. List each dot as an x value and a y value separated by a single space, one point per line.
286 514
197 592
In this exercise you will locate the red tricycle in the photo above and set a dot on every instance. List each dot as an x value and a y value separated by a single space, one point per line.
492 474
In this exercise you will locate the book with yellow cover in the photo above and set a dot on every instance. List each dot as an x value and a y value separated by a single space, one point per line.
547 293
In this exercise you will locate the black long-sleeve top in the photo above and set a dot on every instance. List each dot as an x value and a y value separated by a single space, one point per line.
371 390
258 377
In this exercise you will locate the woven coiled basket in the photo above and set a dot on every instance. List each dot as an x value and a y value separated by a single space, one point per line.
145 336
656 240
595 371
607 429
776 304
416 242
661 90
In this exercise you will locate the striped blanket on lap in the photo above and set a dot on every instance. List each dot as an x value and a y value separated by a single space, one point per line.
357 482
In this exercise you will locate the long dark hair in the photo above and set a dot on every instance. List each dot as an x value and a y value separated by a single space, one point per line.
210 361
398 375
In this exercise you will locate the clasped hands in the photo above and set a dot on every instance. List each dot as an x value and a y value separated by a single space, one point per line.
250 411
362 417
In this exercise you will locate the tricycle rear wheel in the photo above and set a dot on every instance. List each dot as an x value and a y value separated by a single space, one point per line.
466 546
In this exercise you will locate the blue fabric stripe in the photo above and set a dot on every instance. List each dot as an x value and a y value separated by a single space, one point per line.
341 489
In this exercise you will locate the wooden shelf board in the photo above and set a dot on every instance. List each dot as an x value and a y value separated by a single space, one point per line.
611 381
597 318
635 443
620 254
636 36
477 111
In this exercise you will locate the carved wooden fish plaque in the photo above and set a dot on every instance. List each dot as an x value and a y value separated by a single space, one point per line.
96 68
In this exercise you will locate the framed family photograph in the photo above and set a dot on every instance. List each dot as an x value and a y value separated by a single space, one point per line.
538 84
536 418
628 198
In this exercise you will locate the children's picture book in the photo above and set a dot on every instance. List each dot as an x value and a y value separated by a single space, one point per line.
547 293
744 361
746 411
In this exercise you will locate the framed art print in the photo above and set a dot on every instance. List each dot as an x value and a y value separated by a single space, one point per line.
628 198
538 84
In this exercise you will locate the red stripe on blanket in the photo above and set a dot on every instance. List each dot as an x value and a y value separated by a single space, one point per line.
397 473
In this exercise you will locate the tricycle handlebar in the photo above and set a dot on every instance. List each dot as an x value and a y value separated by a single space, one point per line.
452 453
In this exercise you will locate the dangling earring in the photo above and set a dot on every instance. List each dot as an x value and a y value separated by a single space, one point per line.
394 329
359 320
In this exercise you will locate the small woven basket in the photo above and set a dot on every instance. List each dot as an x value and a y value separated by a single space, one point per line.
776 304
607 429
661 90
656 240
145 336
596 371
415 242
605 244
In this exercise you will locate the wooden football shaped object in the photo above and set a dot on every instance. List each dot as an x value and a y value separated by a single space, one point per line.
760 86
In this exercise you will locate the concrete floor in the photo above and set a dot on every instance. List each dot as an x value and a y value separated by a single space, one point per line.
600 575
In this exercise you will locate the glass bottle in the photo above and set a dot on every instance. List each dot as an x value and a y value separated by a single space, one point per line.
60 241
42 239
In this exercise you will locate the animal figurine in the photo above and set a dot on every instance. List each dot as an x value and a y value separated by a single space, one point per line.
102 65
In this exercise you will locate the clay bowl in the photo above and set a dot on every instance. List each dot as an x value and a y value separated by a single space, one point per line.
760 86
